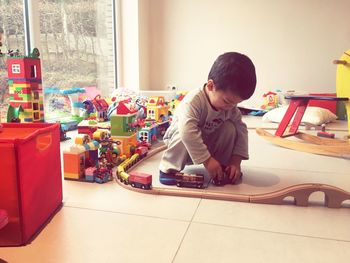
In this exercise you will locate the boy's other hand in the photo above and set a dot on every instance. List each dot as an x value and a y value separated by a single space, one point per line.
233 173
214 168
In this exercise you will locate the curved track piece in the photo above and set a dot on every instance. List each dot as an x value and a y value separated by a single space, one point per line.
320 140
337 149
334 196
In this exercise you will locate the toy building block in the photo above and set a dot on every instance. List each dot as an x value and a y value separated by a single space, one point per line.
90 174
156 107
74 164
25 88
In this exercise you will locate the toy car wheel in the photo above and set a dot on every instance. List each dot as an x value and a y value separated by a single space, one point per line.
132 184
143 187
200 186
178 184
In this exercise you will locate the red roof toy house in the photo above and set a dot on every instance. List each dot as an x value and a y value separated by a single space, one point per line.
25 88
101 107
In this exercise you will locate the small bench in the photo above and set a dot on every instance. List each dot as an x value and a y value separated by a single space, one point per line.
298 106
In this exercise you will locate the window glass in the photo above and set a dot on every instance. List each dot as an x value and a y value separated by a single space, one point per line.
77 49
11 39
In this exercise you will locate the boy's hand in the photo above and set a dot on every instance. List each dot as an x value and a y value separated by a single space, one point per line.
214 169
233 173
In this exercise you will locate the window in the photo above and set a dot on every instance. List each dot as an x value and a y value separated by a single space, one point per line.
16 68
33 71
143 136
77 46
35 95
11 38
35 106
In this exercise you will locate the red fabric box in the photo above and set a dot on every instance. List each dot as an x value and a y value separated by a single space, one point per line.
30 178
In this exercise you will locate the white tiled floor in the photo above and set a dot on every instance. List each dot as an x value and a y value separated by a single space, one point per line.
106 223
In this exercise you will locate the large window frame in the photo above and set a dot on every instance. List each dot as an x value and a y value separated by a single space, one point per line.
32 35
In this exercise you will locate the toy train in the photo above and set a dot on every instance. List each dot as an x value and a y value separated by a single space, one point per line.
135 179
144 180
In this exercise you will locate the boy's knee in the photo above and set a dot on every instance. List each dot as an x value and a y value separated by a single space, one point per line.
228 131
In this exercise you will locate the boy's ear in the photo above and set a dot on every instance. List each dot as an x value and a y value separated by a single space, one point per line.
210 85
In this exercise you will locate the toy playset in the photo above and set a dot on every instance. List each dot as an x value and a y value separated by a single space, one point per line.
117 134
25 89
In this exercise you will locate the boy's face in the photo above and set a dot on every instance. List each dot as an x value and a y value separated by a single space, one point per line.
219 99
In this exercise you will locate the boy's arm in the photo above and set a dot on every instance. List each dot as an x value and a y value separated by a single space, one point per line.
188 124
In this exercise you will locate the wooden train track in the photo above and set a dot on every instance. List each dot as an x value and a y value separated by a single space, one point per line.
334 196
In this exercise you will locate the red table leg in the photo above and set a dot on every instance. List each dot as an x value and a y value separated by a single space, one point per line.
294 105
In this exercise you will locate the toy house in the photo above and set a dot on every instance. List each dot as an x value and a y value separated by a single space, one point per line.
122 122
157 108
101 107
148 133
270 100
25 88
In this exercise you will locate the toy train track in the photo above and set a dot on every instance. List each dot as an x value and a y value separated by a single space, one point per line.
334 196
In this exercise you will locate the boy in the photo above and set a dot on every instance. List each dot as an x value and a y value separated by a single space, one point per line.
207 127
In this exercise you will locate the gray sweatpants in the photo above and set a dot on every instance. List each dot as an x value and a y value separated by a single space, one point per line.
220 145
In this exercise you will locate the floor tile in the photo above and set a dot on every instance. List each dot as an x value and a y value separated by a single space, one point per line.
266 154
210 243
81 235
314 221
112 197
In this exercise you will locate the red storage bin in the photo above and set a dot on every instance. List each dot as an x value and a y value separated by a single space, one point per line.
30 178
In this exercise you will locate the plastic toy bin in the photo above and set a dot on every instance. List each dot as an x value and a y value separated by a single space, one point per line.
30 178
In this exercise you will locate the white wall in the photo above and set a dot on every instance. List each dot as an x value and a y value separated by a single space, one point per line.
292 43
128 44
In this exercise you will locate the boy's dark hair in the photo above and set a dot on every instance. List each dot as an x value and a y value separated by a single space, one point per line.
234 72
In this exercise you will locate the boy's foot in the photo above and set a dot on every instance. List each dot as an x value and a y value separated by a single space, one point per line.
167 178
3 218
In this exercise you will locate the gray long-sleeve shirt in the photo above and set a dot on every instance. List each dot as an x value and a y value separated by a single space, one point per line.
195 120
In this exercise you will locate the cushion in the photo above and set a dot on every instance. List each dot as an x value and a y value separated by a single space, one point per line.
313 115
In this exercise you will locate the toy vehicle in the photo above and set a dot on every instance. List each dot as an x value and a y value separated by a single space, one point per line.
189 180
142 151
102 175
144 143
123 177
140 180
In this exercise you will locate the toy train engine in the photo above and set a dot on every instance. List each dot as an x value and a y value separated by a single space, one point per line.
140 180
142 151
189 180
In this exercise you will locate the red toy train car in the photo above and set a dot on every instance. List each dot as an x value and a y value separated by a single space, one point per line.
140 180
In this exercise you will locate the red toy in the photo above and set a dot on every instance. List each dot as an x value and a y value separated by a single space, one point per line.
140 180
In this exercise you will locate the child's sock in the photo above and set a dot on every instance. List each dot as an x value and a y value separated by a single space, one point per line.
167 178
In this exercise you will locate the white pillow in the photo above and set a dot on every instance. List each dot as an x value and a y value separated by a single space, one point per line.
313 115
